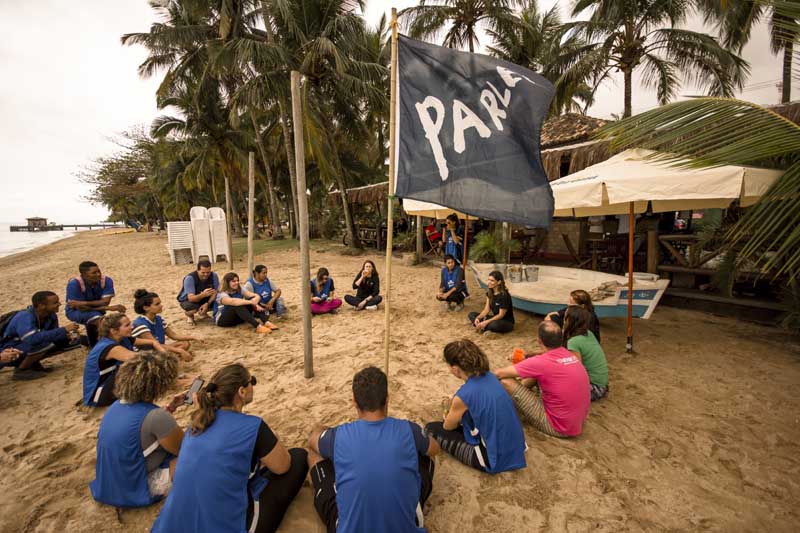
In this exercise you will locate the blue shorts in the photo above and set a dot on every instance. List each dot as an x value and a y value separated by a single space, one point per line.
83 317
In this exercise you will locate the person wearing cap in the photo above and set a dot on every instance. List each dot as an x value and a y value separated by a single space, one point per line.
232 475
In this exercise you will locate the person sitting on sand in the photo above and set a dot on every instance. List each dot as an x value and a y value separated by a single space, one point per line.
322 289
452 286
497 315
481 427
561 406
150 325
89 297
199 291
233 475
35 333
453 238
114 347
367 286
582 299
580 340
271 299
236 305
376 473
138 442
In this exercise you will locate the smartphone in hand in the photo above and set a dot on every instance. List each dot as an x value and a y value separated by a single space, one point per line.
196 385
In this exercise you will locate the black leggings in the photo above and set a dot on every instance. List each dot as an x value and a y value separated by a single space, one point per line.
355 300
107 396
92 333
233 315
496 326
323 477
454 443
279 493
456 298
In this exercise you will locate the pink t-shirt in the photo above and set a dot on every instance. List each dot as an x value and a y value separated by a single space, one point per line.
564 383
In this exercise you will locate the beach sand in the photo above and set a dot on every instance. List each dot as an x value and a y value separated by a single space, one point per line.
700 430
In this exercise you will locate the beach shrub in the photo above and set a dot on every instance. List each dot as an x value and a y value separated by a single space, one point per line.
491 247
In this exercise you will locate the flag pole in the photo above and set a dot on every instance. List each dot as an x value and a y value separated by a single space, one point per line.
302 218
464 245
389 224
631 226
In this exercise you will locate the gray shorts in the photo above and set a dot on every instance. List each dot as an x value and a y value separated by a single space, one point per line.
186 305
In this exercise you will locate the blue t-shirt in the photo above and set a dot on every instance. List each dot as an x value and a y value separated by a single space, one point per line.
377 474
190 287
92 293
157 329
450 246
27 331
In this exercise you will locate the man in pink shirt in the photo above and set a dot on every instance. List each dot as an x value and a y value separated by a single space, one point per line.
563 383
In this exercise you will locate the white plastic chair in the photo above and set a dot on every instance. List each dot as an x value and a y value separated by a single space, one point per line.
219 232
179 239
201 230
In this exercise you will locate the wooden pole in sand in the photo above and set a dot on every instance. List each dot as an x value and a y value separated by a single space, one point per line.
419 239
302 217
251 218
228 223
631 227
389 224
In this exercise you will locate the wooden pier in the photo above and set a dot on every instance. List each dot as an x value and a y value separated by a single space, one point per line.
61 227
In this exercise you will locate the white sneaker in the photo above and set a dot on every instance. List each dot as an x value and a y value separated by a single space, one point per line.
371 308
459 307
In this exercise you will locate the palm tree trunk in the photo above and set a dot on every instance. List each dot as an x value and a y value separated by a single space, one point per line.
273 205
348 216
292 170
786 86
628 92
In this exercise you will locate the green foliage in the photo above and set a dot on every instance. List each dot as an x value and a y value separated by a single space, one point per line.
491 247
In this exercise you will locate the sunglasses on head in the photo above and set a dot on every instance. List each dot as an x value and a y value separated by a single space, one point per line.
251 381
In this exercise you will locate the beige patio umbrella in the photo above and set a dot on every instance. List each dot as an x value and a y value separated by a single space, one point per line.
430 210
627 182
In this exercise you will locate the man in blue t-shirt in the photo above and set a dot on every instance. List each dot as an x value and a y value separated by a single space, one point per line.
35 333
199 291
89 297
376 473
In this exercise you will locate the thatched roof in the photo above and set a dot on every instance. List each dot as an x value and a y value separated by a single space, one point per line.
789 110
366 195
568 129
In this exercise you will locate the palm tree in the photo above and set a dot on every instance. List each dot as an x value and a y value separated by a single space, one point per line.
735 22
631 35
536 41
465 18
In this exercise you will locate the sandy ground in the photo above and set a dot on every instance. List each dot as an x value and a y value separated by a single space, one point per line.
699 432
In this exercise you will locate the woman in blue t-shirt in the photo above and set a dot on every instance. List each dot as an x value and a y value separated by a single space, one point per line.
481 427
233 474
150 325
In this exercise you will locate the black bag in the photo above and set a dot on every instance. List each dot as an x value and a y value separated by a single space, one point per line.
5 320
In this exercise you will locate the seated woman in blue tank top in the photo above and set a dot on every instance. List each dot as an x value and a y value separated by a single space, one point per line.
232 474
150 325
114 347
138 441
481 427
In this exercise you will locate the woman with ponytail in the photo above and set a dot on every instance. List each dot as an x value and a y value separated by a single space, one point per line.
497 315
583 299
481 427
114 347
232 474
149 325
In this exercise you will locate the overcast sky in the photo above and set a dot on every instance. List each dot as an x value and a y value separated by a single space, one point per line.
67 86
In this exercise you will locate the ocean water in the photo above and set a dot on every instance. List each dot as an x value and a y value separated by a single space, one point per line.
13 243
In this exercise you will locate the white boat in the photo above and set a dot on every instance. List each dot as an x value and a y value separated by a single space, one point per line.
550 290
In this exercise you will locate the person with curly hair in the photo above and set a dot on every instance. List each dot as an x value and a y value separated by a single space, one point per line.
114 347
233 475
481 427
150 325
138 442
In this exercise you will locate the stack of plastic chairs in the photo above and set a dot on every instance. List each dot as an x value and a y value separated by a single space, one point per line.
201 230
219 233
180 241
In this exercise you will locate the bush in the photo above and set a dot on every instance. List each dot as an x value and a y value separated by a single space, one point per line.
491 248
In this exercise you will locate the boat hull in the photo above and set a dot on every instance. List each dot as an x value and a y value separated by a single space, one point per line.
559 282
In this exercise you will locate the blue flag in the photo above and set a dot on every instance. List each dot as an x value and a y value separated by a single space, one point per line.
468 129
